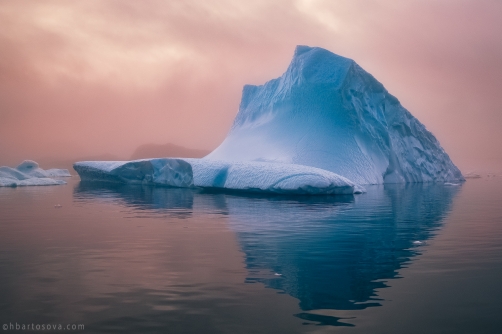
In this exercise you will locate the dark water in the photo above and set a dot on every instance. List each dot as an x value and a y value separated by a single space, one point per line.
130 259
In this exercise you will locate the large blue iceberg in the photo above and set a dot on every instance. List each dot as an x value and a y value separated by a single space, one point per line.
327 112
325 126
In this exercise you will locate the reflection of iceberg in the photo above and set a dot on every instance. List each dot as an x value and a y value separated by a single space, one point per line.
337 261
173 201
330 252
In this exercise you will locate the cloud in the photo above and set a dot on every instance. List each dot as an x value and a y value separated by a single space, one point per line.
108 76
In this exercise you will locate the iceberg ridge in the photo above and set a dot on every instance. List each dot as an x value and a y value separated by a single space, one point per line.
325 111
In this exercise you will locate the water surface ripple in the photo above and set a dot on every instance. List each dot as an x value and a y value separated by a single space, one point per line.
135 259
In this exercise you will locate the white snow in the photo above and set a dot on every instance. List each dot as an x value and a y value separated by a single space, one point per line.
327 112
29 174
31 168
269 177
205 173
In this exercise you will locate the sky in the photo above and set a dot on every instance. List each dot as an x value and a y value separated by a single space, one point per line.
90 77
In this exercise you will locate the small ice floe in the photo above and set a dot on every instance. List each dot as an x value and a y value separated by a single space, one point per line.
451 184
28 173
57 206
277 274
418 242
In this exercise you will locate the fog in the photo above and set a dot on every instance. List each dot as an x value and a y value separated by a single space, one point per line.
88 78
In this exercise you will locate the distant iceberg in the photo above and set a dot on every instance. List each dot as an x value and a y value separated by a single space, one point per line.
325 126
29 174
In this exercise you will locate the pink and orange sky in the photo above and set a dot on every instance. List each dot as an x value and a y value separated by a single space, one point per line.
90 77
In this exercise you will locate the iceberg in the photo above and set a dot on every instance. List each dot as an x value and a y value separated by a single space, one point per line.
327 112
28 173
166 172
205 173
326 126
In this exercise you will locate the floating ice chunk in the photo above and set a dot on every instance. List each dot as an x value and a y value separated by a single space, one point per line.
54 172
28 173
8 172
243 176
41 181
31 168
34 181
9 182
166 172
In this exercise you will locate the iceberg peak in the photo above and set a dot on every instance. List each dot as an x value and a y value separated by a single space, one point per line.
327 112
318 65
301 49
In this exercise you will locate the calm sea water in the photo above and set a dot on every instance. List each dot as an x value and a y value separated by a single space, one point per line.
424 258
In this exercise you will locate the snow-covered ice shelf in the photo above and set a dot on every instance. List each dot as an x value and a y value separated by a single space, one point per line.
244 176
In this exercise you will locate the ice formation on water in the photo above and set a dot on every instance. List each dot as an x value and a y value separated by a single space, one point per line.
166 172
29 174
325 126
243 176
325 111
